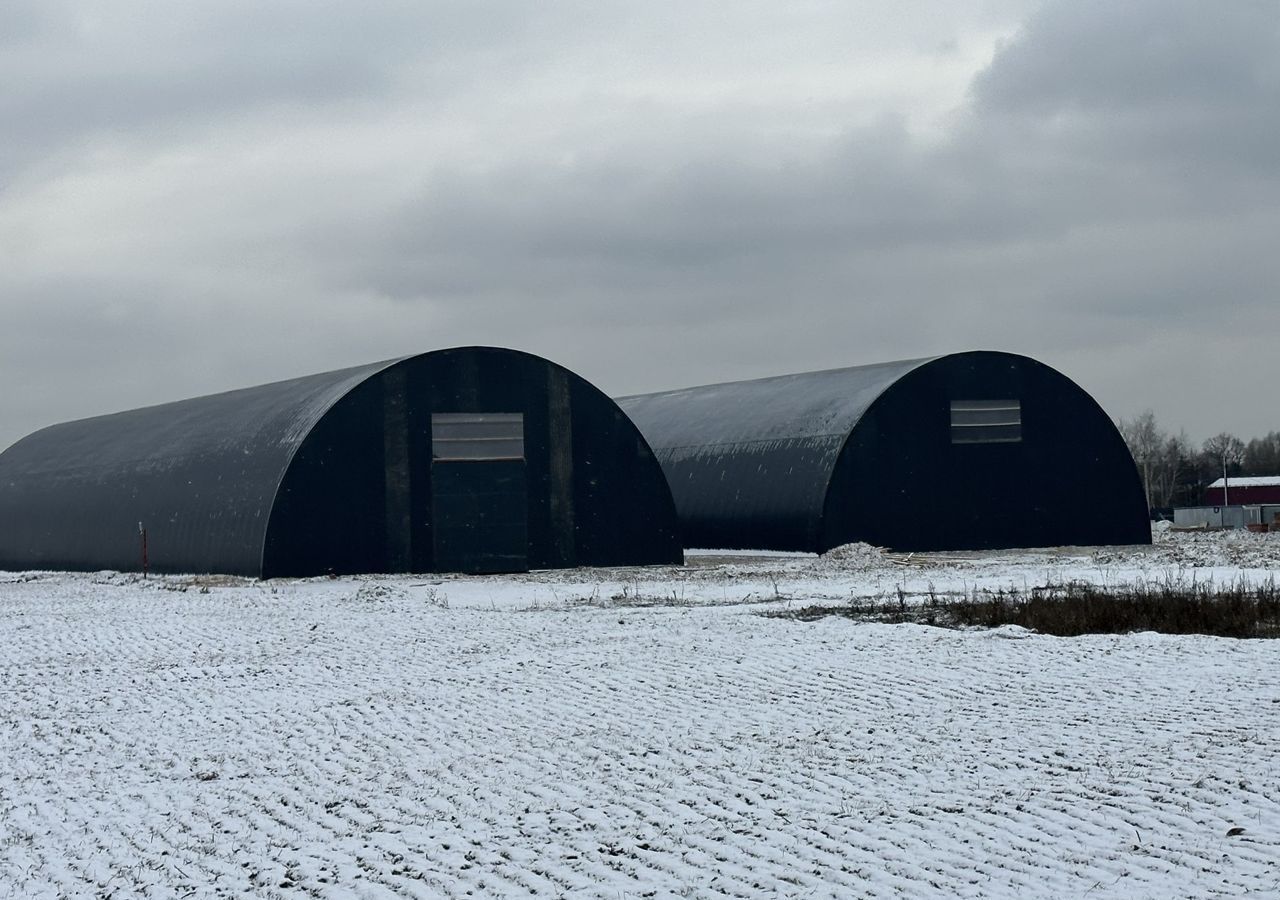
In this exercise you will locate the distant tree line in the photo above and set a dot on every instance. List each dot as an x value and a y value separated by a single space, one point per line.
1175 472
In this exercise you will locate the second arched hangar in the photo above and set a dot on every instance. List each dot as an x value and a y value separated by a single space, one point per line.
967 451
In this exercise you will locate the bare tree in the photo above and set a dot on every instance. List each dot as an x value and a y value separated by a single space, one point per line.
1174 468
1262 455
1146 443
1226 450
1174 472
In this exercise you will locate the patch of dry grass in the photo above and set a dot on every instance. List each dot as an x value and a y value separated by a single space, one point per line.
1239 610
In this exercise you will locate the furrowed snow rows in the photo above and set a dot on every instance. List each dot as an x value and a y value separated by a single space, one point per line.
350 738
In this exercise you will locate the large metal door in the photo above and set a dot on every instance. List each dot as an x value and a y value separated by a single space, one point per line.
479 493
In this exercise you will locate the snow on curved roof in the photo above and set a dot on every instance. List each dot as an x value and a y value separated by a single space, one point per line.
1249 481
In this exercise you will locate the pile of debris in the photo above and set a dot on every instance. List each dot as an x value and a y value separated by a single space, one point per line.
858 557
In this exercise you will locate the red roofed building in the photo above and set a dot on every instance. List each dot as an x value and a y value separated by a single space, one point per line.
1246 490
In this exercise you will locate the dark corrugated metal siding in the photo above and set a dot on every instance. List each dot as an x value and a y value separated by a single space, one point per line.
812 461
596 494
333 472
200 474
749 461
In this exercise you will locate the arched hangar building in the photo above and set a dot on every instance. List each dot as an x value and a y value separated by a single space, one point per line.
470 460
967 451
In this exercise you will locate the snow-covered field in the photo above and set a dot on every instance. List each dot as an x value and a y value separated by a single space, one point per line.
641 733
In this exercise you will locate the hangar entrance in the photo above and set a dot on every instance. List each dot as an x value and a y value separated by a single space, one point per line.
479 493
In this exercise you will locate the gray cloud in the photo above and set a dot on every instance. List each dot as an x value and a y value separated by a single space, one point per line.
654 197
1146 58
135 67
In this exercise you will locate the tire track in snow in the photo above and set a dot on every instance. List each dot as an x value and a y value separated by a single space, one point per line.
308 742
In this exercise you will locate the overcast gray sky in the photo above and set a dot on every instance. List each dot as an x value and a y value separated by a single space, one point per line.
207 195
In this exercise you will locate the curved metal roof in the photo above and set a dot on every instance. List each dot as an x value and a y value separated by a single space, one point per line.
807 406
765 448
216 460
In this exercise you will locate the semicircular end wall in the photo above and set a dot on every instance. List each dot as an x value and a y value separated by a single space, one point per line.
366 493
912 477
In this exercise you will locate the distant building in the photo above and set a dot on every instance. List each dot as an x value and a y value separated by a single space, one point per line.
1244 491
966 451
1216 516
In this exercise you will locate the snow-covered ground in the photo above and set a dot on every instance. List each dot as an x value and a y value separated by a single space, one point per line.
635 733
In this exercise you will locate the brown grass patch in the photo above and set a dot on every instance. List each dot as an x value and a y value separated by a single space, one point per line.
1239 610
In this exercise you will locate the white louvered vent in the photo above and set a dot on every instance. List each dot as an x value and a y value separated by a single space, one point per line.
986 421
477 436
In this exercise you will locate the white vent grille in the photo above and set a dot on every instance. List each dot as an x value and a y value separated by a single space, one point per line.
986 421
477 436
